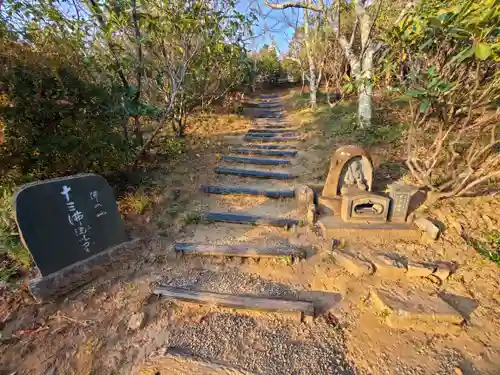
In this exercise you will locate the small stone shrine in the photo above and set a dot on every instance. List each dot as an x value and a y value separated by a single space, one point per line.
347 200
66 221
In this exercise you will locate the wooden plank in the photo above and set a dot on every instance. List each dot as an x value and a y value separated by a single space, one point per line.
268 115
174 363
277 126
254 173
249 138
244 250
305 309
269 110
226 190
229 217
247 151
270 147
271 135
270 105
236 159
271 130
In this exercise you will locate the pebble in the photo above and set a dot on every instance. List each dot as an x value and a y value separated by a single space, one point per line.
136 320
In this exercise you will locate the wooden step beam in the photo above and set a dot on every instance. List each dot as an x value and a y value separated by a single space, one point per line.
305 310
277 126
249 138
244 250
269 147
271 135
227 190
248 151
254 173
256 161
266 115
270 104
270 130
229 217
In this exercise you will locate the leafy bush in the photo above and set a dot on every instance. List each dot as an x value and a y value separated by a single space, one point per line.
13 255
172 147
451 56
55 122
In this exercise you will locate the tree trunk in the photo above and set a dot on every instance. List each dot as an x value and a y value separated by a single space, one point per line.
365 90
364 105
303 82
312 85
138 132
327 90
312 65
125 129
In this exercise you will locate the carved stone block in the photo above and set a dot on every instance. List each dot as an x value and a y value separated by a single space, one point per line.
362 207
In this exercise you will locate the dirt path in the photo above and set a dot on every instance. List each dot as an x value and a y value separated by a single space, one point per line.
116 326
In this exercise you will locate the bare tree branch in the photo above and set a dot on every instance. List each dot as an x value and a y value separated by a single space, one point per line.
295 5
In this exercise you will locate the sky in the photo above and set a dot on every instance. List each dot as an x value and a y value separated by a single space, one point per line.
272 25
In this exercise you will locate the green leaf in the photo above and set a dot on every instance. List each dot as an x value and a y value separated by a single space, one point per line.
348 87
443 87
416 92
482 51
425 105
463 55
402 99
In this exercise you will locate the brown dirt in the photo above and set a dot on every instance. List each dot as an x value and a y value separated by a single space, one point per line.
88 331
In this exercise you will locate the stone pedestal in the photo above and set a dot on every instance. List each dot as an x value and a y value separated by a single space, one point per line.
362 207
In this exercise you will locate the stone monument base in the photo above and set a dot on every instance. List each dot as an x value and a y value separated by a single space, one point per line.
330 206
334 227
82 272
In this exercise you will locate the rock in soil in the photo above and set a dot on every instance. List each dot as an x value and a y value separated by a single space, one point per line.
428 227
352 264
416 310
136 320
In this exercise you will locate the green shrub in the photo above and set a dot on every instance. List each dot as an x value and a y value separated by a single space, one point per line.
192 218
56 120
172 147
13 255
136 202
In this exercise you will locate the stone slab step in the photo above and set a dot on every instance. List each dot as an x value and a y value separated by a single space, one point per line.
229 217
304 309
255 173
248 151
241 250
416 310
236 159
227 190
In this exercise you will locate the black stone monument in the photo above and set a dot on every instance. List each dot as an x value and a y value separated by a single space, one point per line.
67 220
